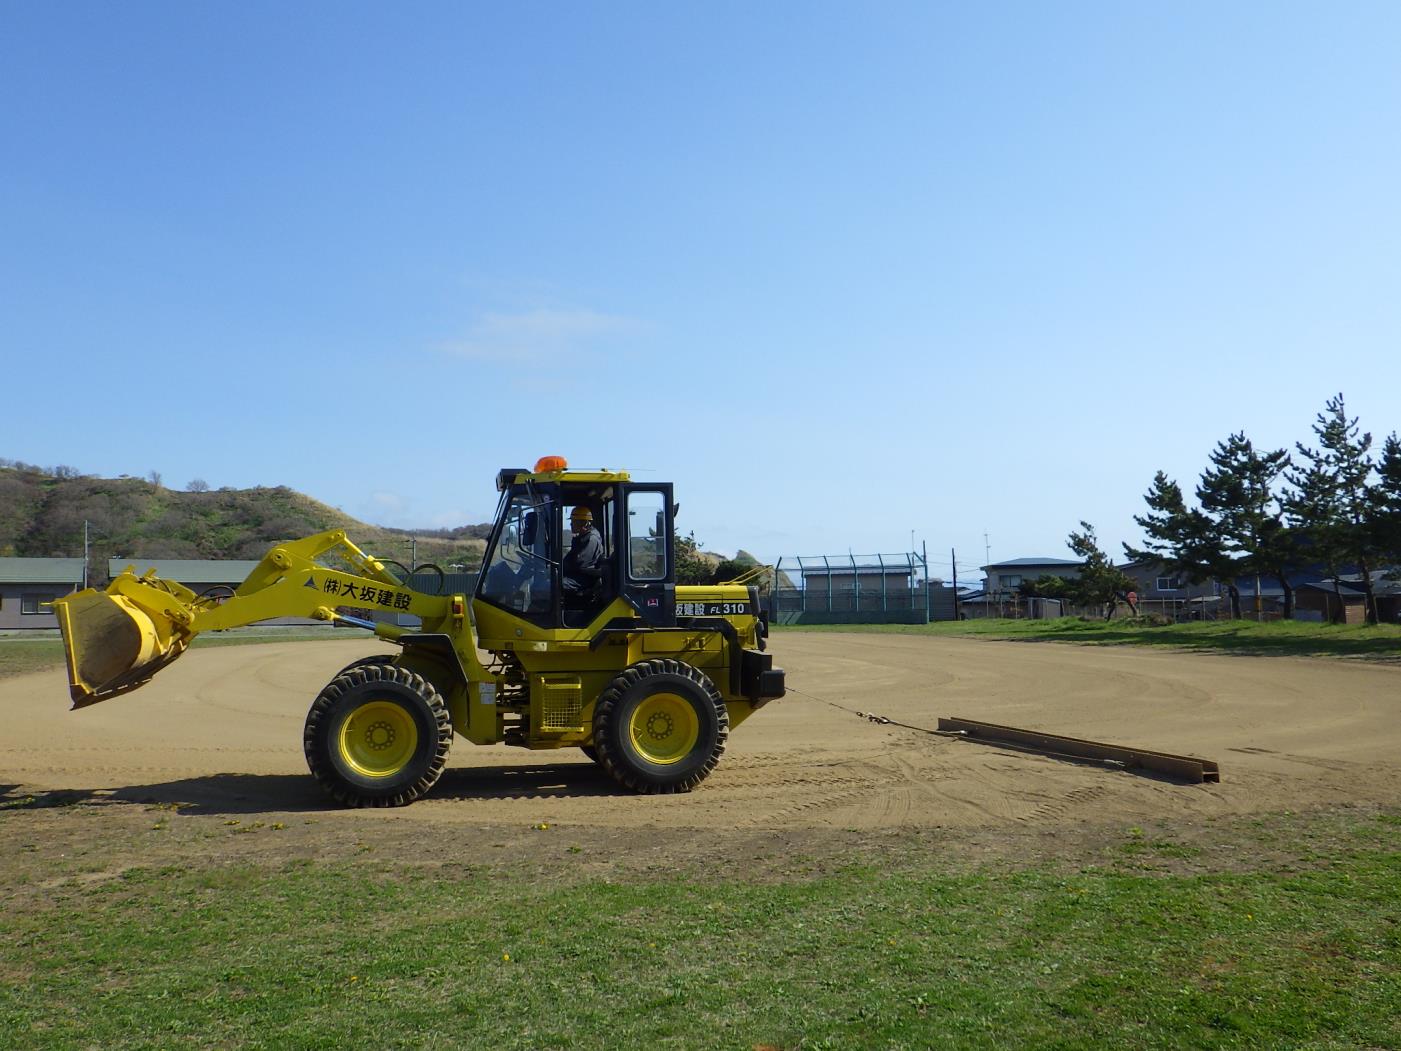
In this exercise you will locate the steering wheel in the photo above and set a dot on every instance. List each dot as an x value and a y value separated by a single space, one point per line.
526 553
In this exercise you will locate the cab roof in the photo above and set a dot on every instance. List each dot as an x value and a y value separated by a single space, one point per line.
515 475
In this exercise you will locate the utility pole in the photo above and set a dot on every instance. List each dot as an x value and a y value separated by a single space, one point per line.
85 552
953 560
990 590
924 549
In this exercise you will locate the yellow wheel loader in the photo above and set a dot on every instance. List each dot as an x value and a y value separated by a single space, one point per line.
646 677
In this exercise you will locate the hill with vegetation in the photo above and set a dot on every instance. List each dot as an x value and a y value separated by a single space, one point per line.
42 511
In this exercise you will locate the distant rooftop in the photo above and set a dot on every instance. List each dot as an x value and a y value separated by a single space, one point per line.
1032 562
838 568
41 570
188 570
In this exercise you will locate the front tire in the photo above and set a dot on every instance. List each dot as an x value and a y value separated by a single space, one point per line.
377 735
378 658
660 726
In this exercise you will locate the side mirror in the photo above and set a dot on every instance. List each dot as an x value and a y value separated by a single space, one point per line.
529 524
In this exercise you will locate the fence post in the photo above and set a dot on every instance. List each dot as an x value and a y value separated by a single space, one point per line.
773 591
928 613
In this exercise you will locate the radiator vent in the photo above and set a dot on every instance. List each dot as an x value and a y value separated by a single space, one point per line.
561 702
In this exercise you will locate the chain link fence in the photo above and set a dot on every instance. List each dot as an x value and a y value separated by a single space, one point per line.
850 589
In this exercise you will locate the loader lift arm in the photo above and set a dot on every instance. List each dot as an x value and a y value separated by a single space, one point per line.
116 640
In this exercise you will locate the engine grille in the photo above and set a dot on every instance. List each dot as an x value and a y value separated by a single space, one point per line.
561 703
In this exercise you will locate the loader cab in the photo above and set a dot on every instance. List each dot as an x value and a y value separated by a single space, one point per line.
523 571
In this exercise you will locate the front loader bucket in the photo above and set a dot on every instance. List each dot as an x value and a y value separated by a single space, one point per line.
112 644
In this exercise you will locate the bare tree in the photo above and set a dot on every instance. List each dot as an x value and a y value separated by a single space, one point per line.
198 485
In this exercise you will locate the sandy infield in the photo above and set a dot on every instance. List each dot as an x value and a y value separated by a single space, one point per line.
220 731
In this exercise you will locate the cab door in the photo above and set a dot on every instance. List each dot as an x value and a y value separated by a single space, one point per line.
648 561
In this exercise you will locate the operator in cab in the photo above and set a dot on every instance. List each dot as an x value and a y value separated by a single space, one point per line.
584 564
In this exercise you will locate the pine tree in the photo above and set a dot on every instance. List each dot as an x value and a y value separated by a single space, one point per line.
691 566
1333 500
1100 583
1238 491
1185 540
1385 507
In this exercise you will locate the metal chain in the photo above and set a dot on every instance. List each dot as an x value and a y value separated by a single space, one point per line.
871 717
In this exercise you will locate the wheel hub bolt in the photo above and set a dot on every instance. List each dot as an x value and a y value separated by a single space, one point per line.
379 736
659 726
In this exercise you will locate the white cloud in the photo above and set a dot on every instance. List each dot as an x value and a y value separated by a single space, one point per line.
453 518
539 336
387 502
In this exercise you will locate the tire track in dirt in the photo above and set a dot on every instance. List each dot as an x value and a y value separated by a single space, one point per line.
1054 812
223 724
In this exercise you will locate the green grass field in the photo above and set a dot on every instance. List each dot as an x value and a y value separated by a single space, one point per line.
1143 947
1277 638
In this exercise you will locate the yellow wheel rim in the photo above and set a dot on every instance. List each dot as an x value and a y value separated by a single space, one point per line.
378 739
664 729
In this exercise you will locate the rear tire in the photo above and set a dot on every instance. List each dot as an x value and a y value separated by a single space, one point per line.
660 726
377 735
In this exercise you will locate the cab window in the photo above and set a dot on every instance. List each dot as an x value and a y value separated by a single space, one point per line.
602 512
646 525
516 574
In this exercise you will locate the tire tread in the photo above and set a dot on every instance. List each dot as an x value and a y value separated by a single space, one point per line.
608 701
362 673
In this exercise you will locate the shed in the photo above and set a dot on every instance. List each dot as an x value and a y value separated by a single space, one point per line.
1347 601
1346 604
27 583
197 574
869 576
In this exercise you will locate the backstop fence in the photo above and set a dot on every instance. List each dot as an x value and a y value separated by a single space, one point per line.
851 589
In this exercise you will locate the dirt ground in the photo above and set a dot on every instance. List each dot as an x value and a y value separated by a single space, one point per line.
206 760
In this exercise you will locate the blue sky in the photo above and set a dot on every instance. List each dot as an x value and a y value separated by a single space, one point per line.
844 273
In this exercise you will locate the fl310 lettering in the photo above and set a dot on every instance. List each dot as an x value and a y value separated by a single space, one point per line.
712 609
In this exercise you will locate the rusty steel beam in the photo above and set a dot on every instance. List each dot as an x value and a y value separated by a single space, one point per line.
1183 767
